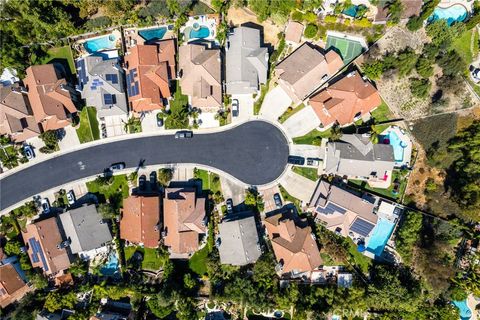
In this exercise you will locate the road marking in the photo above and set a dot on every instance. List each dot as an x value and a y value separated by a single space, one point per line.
81 165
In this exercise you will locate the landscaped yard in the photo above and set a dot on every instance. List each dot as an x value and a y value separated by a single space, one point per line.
310 173
462 45
58 55
198 262
384 192
290 112
360 260
9 157
88 129
288 198
314 137
152 260
258 104
210 180
119 184
178 115
381 114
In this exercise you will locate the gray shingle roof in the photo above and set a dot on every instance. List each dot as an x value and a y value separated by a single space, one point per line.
83 227
239 239
246 61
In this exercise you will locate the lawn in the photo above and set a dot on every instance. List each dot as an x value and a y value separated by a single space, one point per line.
360 260
288 198
314 137
58 54
88 129
210 180
290 112
258 104
152 260
387 193
462 45
119 184
380 114
11 152
309 173
178 115
198 262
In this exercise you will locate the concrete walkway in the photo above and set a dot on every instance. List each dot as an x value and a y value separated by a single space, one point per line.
301 122
298 186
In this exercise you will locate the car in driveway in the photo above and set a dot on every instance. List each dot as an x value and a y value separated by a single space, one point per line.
142 182
235 108
313 162
159 120
45 204
28 151
117 166
71 197
296 160
229 204
184 134
278 200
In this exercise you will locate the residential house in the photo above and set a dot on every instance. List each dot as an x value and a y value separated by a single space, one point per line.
306 69
200 71
345 101
51 98
294 32
149 71
140 223
46 246
246 62
85 230
293 243
13 286
238 242
356 157
184 220
16 115
342 211
100 81
410 8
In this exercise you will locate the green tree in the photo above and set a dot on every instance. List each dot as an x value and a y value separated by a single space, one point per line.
165 175
452 63
373 69
38 281
395 10
106 211
79 268
261 8
310 31
186 309
50 138
57 301
264 272
406 62
420 87
189 281
13 248
253 199
424 67
408 235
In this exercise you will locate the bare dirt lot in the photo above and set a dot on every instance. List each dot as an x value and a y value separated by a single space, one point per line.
238 16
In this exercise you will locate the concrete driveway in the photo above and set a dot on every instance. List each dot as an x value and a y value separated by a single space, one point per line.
307 151
301 122
298 186
232 190
275 104
245 107
268 198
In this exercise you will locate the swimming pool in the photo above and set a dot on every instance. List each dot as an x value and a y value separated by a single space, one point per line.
379 236
398 146
465 312
202 32
454 13
350 11
111 267
151 34
102 43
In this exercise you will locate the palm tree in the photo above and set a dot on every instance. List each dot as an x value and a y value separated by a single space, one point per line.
336 133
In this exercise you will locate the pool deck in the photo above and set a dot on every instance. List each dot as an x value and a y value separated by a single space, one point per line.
472 303
132 38
448 3
79 44
210 20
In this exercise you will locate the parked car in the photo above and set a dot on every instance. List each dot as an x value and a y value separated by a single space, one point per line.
229 204
45 204
184 134
296 160
70 197
142 182
117 166
159 120
313 162
278 200
153 179
28 151
235 108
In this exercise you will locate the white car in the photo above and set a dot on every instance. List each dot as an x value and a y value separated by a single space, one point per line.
45 204
71 197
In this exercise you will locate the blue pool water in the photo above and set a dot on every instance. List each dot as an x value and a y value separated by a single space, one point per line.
350 11
153 34
397 145
379 237
106 42
454 13
202 32
111 267
465 312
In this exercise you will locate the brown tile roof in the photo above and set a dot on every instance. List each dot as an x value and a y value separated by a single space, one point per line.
155 64
201 78
293 243
294 31
141 220
183 216
306 69
410 8
48 236
49 96
12 287
16 116
343 100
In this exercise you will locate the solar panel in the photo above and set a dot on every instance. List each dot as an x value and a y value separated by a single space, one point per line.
362 227
136 89
134 72
330 208
35 259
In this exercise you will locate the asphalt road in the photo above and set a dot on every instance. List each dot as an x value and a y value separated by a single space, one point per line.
255 153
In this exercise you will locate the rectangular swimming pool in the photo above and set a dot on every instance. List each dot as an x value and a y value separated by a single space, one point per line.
379 236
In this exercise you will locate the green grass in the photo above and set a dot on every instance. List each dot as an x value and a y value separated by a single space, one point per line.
360 260
288 198
198 262
258 104
462 45
309 173
314 137
381 114
135 126
120 184
327 259
152 260
290 112
210 180
387 193
12 152
88 129
178 115
59 53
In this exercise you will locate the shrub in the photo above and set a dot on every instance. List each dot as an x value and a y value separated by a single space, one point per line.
420 87
373 69
330 19
310 17
362 23
97 23
414 23
297 16
424 67
310 31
